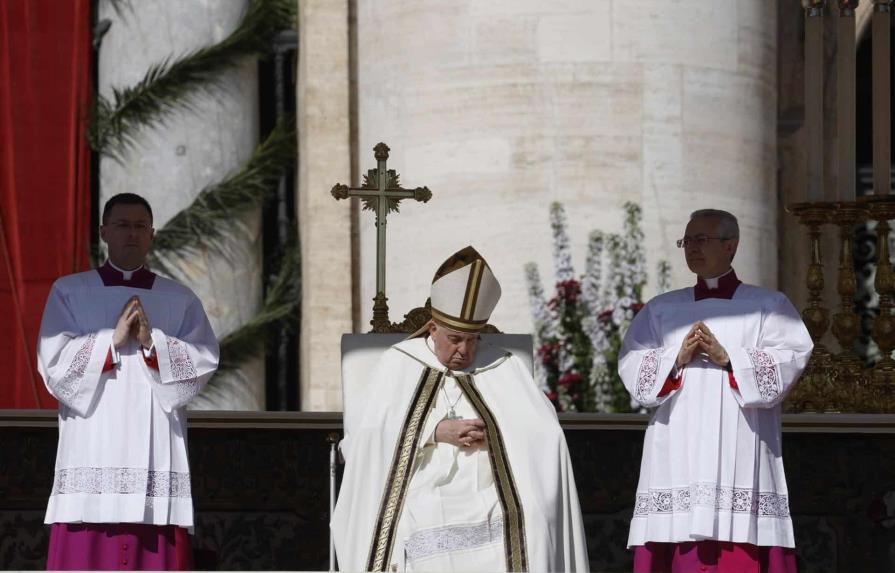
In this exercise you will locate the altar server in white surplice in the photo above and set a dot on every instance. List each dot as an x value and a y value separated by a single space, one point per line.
123 350
457 461
714 361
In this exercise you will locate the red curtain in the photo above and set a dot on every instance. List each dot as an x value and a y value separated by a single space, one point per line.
45 85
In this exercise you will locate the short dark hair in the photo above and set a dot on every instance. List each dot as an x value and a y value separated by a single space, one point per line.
728 226
125 199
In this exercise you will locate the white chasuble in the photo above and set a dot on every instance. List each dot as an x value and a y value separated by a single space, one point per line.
122 454
712 464
408 503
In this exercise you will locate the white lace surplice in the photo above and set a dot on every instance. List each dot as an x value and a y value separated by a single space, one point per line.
122 434
712 464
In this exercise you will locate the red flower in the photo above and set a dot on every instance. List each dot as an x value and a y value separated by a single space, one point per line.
569 378
568 290
547 353
544 349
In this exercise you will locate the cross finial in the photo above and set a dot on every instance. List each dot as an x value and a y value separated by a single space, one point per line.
380 152
381 192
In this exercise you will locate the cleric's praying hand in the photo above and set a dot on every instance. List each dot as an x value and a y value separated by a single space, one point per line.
710 345
142 329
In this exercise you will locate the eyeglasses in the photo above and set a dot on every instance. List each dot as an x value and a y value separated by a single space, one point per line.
699 240
125 226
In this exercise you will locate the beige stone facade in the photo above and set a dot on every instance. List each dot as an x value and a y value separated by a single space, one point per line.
325 226
502 107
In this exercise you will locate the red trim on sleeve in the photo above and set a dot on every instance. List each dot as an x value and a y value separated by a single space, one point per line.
108 364
152 360
732 381
671 384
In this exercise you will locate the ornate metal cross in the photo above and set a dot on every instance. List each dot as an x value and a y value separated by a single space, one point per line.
381 193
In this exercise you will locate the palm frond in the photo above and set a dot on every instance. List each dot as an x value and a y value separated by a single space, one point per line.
119 6
280 310
173 84
209 218
226 391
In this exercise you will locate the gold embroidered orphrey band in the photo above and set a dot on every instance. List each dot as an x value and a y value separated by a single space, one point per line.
454 323
472 290
514 520
399 476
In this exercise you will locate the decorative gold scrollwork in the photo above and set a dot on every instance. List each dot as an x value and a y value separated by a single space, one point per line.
843 383
339 191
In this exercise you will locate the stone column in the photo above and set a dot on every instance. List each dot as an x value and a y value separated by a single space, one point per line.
324 224
193 149
501 107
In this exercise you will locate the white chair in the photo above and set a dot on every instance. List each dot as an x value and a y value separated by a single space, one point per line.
360 354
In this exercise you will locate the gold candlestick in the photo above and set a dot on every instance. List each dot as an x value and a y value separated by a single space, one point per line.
846 323
877 393
882 209
816 316
813 392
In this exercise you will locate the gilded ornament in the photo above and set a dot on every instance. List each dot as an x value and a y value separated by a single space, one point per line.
846 323
339 191
380 152
847 8
816 321
815 278
814 8
422 194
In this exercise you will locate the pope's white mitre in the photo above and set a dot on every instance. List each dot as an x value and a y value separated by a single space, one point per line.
464 292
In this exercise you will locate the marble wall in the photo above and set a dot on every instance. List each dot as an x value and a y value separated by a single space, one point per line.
501 107
324 159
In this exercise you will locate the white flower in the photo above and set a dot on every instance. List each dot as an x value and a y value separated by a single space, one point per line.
616 285
592 280
562 255
663 276
565 359
635 277
617 292
601 383
543 321
618 316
